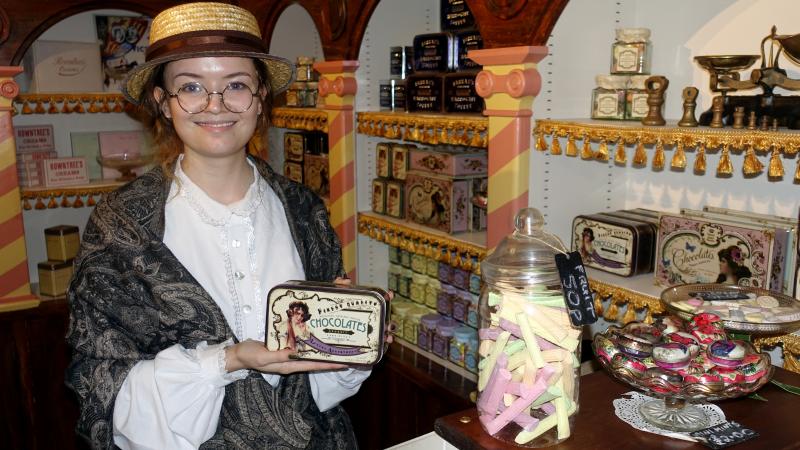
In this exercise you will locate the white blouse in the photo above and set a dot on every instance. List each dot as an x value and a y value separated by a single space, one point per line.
174 401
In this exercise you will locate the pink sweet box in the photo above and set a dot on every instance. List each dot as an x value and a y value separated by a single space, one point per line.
65 171
450 163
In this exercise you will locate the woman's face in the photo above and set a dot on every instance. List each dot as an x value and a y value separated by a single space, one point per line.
297 315
214 132
724 267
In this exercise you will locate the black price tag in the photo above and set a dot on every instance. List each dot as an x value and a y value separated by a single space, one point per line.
723 435
720 295
577 294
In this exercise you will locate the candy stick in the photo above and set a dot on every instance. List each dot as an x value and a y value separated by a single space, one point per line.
485 347
508 399
544 425
511 327
530 341
551 393
514 347
548 408
517 374
545 345
557 330
522 389
517 360
525 421
530 371
492 333
557 355
562 418
491 360
490 399
519 405
567 379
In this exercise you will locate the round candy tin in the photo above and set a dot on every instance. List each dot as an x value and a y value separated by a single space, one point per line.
606 348
707 334
729 376
642 332
726 353
703 319
633 346
671 356
670 324
687 339
753 367
635 366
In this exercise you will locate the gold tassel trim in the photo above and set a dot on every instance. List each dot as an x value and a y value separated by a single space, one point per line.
630 315
598 305
541 145
700 160
751 165
658 157
620 157
679 157
612 312
640 156
586 151
775 164
572 149
648 318
725 168
602 152
555 146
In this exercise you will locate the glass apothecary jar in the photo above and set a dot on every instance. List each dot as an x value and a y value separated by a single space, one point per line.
608 98
529 350
630 52
636 98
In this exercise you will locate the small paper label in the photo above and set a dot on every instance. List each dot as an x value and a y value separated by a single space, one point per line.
723 435
577 294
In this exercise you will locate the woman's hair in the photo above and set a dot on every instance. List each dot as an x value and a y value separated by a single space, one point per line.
302 306
588 232
733 257
166 143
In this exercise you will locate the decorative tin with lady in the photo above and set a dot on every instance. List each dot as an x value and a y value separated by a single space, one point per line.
169 295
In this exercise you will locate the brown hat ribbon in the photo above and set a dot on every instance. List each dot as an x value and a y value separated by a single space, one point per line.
199 41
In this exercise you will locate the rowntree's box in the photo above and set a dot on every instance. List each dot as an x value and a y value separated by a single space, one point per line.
65 171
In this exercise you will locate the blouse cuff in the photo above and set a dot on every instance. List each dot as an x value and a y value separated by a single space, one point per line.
212 361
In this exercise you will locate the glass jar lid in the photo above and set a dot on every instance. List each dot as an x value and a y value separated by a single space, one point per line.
632 34
612 81
524 259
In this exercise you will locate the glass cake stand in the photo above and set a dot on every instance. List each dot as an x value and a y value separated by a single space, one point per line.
673 408
125 164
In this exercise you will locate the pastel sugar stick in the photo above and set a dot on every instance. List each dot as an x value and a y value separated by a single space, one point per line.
508 399
517 360
562 418
548 408
530 341
556 329
491 359
517 374
542 427
547 372
490 399
514 347
551 393
511 327
485 347
530 371
545 345
519 405
526 422
556 355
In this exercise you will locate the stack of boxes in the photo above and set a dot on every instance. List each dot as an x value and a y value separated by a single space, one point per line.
62 244
306 160
34 144
389 189
621 95
303 92
436 306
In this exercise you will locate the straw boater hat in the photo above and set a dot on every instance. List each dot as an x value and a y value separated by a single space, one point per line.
205 29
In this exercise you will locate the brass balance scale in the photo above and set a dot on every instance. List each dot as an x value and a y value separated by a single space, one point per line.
725 78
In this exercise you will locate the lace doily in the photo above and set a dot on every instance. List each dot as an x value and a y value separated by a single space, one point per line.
627 409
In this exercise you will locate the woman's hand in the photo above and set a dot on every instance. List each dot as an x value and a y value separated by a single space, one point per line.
254 355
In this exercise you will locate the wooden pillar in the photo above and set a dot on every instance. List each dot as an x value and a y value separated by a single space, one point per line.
509 82
338 86
15 289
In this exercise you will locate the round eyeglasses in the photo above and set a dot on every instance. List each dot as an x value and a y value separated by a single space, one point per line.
194 98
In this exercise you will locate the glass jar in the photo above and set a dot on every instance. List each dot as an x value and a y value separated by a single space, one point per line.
405 258
394 274
520 278
400 310
458 306
411 323
630 52
445 272
636 98
440 345
474 283
403 282
432 268
417 290
608 98
419 264
444 302
426 330
305 69
312 90
472 310
432 291
464 348
295 95
460 278
394 255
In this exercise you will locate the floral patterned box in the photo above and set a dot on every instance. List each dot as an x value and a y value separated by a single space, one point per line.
696 250
449 162
439 202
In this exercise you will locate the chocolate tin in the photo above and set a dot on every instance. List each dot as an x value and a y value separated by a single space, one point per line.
448 161
613 244
456 15
327 322
399 161
463 42
395 199
293 171
433 52
383 159
379 196
424 93
315 174
400 61
460 95
438 202
294 146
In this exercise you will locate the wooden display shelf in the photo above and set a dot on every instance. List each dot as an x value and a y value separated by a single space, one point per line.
83 194
463 250
71 102
447 364
611 137
451 129
308 119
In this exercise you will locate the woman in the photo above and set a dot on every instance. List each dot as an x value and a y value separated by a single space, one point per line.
731 265
167 302
297 332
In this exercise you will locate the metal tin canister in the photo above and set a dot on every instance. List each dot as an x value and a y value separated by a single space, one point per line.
424 93
613 244
327 322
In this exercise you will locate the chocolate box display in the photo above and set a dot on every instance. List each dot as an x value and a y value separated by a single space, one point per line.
315 174
460 95
379 196
455 15
294 146
464 42
438 202
424 93
383 159
395 199
612 244
293 171
444 161
433 52
400 160
326 322
695 250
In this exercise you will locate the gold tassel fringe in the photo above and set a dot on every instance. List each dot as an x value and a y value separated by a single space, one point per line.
541 145
751 165
775 164
700 160
648 318
602 152
612 312
586 152
555 146
725 168
640 156
630 314
620 157
572 149
658 157
598 305
679 157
